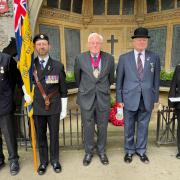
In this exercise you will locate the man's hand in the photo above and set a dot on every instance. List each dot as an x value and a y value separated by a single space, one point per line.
27 97
63 108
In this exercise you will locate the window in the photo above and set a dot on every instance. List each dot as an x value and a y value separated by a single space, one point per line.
175 56
178 3
167 4
113 7
77 6
65 5
52 3
128 7
98 7
152 6
54 39
157 42
72 45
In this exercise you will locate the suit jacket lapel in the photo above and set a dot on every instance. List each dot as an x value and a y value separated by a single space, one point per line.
145 63
46 70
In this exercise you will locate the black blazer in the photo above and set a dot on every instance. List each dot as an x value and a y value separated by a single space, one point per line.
175 88
53 69
9 77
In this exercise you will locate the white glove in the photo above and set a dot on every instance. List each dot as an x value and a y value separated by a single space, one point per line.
27 97
63 108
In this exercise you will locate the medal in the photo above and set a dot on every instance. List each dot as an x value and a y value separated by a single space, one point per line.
96 73
2 70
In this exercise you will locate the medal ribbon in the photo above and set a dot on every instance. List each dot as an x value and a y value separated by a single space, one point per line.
94 63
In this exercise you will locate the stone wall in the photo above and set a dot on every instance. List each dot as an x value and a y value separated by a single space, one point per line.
6 26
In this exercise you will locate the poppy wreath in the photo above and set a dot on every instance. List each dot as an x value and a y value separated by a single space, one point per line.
112 116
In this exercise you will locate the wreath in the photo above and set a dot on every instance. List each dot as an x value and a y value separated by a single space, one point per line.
113 118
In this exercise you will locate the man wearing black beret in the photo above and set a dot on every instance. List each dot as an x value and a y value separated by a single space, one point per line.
50 102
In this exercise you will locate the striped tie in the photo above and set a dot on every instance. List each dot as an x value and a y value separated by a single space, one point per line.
139 67
41 63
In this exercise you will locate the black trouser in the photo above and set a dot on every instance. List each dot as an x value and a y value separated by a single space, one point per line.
89 119
6 126
41 123
178 129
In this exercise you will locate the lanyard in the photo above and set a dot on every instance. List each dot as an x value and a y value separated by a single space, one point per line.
94 63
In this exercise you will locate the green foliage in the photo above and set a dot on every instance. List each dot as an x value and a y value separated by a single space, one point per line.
166 76
70 76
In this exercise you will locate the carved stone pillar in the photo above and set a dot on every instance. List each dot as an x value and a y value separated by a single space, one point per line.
87 12
140 7
34 8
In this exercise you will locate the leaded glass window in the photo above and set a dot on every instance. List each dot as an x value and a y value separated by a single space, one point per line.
113 7
128 7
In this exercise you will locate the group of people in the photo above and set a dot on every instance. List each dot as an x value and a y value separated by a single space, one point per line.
137 91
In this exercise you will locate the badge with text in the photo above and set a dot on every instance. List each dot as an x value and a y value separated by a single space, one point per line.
52 79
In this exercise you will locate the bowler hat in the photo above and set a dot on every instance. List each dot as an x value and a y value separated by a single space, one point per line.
40 37
140 33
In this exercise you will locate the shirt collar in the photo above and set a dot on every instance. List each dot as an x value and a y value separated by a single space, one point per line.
45 59
137 52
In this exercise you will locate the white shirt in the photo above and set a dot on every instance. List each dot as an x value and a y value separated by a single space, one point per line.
142 56
45 60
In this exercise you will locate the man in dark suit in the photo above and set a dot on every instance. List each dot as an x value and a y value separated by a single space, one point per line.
94 73
7 80
173 93
137 88
50 102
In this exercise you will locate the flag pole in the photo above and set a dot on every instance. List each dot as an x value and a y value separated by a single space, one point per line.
33 143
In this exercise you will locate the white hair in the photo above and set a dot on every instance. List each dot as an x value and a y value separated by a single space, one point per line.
92 35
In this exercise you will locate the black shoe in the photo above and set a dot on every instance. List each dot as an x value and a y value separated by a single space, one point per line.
128 158
2 163
56 167
14 168
178 155
104 159
87 159
143 158
42 169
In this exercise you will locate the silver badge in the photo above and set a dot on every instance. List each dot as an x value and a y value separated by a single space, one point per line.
96 73
2 70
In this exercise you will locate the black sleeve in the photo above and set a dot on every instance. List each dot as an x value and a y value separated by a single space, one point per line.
172 91
63 86
77 71
14 75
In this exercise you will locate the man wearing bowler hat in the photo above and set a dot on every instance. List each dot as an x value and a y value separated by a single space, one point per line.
137 89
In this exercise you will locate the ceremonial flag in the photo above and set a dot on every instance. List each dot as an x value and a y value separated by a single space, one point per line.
25 52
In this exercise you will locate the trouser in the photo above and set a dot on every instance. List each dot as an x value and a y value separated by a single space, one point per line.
89 119
41 123
142 118
178 129
6 126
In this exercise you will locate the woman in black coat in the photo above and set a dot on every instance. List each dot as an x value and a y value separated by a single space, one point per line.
175 92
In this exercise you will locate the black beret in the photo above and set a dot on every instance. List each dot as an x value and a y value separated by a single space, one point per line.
40 37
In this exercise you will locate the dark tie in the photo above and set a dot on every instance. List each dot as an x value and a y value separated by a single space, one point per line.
41 63
95 59
139 67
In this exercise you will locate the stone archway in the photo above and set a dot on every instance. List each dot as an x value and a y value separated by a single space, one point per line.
34 8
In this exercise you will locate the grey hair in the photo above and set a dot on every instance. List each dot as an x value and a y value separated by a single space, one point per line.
95 35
